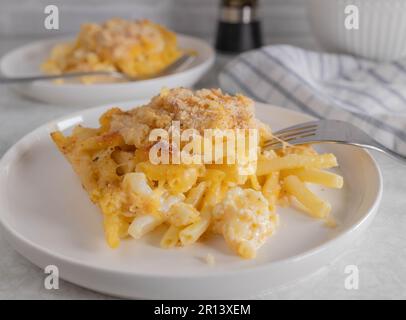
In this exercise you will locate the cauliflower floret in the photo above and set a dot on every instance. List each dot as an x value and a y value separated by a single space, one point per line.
142 198
150 207
244 219
168 200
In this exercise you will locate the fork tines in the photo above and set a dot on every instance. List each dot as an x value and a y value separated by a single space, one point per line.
287 135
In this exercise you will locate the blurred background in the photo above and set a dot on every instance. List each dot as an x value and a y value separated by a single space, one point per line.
282 20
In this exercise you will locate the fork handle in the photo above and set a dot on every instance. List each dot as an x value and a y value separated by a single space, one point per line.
373 146
380 147
7 80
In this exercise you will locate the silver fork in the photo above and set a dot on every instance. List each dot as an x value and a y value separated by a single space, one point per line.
328 131
186 58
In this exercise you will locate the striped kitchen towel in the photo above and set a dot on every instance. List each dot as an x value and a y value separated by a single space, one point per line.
369 94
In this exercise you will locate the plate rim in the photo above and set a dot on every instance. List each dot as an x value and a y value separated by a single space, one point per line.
208 62
16 236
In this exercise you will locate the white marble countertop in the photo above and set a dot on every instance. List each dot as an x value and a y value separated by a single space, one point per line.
380 254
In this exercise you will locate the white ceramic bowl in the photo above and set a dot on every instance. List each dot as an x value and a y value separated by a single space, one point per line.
48 218
382 27
27 60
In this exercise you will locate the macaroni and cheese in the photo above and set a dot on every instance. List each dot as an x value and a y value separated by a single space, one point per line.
136 195
139 49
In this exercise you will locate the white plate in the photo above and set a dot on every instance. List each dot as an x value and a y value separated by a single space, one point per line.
48 218
26 61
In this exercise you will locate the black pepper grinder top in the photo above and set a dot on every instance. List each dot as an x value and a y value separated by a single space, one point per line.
239 28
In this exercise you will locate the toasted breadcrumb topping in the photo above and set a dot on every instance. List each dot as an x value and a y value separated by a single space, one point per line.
118 36
201 109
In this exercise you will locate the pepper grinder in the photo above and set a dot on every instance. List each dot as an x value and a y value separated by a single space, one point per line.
239 28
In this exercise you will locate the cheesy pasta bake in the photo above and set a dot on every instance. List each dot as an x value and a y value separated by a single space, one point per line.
139 49
136 195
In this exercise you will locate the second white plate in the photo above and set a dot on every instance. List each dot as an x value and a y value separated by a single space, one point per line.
26 61
49 219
